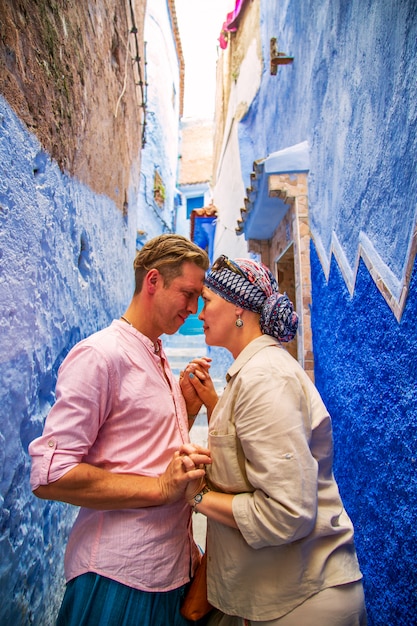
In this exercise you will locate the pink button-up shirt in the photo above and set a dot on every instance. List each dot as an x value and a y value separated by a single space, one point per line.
116 409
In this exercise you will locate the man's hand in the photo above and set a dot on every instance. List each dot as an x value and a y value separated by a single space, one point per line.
186 466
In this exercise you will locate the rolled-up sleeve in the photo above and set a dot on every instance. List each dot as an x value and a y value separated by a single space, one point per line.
273 426
72 425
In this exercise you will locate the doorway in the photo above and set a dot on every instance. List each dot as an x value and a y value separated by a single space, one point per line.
285 274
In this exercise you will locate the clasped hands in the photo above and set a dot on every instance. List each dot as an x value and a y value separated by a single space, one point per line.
197 386
185 473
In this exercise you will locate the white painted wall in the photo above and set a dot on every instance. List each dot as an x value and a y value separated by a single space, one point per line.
162 130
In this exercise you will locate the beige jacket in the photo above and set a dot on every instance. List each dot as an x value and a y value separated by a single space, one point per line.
271 442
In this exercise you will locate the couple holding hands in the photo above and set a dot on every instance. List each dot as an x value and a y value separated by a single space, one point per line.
279 542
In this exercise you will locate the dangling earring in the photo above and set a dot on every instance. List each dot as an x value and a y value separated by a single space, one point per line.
239 322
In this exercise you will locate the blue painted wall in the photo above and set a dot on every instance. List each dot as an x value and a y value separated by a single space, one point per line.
351 93
65 271
366 371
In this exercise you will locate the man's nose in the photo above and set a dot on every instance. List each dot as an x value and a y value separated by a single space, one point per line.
193 305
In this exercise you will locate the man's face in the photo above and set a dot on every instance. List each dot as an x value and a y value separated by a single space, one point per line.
173 304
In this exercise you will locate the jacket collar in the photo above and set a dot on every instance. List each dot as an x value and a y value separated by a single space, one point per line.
247 353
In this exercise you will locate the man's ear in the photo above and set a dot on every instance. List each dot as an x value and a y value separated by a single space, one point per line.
151 280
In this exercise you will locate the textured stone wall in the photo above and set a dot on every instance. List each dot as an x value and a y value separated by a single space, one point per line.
70 142
65 271
66 69
366 370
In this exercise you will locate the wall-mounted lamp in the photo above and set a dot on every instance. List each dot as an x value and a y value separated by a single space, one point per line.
277 58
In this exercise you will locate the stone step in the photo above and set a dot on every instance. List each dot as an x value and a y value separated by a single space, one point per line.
179 339
180 349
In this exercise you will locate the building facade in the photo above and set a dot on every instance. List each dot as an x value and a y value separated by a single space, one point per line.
157 204
314 167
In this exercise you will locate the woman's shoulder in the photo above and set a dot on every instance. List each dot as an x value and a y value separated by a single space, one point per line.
274 360
273 353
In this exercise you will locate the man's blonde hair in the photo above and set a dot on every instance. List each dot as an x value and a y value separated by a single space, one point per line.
167 253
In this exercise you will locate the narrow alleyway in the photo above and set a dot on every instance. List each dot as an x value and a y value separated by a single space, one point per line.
180 349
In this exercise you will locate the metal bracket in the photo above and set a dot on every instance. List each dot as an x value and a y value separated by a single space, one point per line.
277 58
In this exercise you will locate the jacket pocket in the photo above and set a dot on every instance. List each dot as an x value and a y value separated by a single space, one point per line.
227 472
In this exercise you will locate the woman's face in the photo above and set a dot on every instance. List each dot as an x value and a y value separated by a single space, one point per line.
218 317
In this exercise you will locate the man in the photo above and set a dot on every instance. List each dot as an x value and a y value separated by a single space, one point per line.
116 444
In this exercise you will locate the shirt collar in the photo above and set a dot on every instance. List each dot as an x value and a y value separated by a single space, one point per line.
247 353
143 338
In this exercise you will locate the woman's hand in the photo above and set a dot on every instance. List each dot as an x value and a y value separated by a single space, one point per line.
196 375
198 367
198 457
184 472
193 488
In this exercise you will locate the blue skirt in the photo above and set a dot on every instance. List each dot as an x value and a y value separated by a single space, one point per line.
93 600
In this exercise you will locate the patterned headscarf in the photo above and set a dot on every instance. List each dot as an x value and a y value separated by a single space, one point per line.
252 286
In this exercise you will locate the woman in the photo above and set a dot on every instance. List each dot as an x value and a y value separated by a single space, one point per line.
279 542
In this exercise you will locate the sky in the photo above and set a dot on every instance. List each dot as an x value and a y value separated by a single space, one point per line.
200 23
